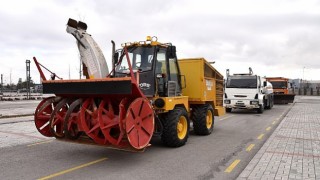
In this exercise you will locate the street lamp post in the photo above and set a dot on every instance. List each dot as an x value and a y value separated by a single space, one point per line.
2 83
303 81
28 78
303 73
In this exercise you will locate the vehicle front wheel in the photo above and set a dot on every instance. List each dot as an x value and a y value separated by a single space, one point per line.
176 128
260 109
228 109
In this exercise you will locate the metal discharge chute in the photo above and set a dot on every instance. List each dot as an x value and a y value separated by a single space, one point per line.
94 63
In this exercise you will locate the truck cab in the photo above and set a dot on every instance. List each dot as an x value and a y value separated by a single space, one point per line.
247 91
281 87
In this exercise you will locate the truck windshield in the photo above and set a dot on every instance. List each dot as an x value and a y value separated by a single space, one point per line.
242 82
279 85
141 59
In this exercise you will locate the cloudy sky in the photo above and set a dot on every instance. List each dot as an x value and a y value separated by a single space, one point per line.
274 37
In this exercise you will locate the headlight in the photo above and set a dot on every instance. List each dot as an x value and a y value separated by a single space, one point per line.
227 101
159 103
254 102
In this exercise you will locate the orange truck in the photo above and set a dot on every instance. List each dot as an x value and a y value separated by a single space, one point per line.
281 90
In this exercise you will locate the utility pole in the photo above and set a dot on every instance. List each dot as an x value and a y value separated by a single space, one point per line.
28 78
303 73
10 77
2 83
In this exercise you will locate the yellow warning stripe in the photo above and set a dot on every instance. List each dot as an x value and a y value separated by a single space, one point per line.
72 169
250 147
260 136
232 166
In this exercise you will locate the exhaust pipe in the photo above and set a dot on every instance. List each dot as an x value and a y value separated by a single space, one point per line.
113 54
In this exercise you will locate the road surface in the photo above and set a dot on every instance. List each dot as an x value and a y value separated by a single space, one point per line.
237 136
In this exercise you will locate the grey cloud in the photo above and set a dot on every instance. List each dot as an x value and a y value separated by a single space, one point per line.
271 39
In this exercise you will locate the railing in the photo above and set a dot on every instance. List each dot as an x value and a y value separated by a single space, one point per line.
305 91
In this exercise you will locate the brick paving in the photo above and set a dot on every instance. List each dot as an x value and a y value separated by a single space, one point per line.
293 150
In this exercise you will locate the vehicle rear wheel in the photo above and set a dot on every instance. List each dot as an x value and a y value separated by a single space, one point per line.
228 109
176 127
203 119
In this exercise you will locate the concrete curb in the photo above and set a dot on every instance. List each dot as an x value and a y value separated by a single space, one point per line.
14 116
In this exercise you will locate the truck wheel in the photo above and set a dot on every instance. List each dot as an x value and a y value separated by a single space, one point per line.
271 104
228 109
176 127
203 119
260 109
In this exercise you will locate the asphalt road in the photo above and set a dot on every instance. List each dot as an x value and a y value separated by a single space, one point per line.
237 136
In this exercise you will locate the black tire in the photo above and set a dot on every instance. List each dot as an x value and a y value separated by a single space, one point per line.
268 107
260 109
228 109
199 118
75 133
54 129
170 135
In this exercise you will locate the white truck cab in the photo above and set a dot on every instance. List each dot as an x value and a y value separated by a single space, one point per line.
247 91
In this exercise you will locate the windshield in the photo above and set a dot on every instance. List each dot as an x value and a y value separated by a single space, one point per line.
279 84
242 82
141 59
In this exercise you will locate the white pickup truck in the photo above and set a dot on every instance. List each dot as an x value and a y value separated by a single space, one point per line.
247 91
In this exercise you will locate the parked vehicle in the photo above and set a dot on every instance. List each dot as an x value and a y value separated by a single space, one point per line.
281 90
247 91
148 92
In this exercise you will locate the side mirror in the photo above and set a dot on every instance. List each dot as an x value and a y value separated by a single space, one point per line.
265 83
171 50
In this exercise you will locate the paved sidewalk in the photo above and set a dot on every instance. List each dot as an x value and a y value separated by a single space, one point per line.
17 108
293 150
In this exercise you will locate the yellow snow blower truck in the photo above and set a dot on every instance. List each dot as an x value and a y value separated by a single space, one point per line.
148 92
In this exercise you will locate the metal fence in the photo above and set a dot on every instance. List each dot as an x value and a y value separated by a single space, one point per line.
305 91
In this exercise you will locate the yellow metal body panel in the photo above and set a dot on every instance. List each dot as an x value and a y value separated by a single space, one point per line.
171 102
204 84
195 81
219 111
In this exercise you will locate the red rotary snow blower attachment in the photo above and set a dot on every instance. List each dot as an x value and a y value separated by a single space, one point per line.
110 111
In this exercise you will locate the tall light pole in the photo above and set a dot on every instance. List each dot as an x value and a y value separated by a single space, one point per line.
303 73
1 83
28 77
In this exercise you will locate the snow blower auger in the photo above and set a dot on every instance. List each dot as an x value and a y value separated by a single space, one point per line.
140 98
